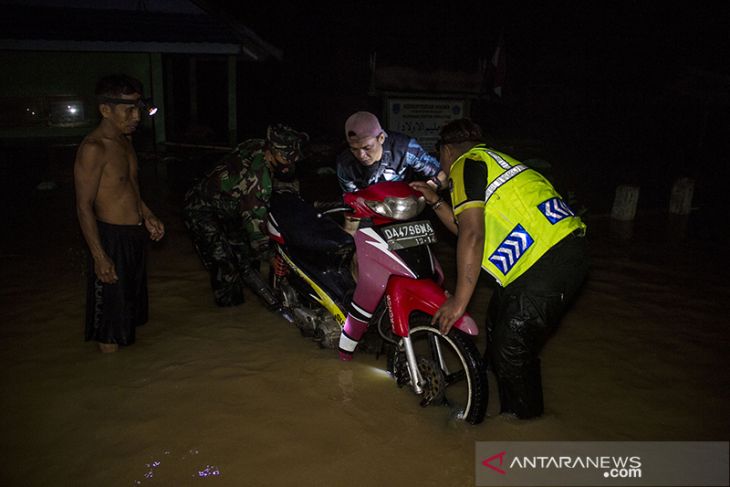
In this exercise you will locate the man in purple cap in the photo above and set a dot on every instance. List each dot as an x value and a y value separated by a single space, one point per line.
375 156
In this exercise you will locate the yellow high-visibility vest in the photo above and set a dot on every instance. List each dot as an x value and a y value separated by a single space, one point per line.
524 216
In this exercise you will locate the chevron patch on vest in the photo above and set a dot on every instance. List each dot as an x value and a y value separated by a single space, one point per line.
555 209
511 249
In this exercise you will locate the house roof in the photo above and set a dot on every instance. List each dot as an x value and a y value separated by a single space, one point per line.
85 29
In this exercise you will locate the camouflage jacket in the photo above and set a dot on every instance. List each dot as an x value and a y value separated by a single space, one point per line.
240 182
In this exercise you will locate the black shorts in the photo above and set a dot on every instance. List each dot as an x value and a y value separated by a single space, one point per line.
114 310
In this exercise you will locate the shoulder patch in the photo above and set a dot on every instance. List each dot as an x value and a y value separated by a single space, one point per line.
555 209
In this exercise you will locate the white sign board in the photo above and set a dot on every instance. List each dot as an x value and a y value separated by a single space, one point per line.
422 118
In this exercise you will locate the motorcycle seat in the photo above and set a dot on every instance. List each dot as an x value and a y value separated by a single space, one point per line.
303 230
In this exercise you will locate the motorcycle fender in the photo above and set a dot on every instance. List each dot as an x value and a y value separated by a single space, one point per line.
273 231
405 295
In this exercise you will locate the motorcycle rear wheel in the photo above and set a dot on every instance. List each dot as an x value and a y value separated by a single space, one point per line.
453 370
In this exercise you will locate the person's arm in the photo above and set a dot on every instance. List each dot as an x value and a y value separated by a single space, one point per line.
344 176
153 224
438 181
351 224
88 169
439 206
469 180
469 251
347 184
425 164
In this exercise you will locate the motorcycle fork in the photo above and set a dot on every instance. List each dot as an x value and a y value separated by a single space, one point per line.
384 311
413 371
416 378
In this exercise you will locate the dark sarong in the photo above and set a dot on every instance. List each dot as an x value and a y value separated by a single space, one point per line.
114 310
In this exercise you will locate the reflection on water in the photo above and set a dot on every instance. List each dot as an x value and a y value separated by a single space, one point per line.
346 385
209 471
156 467
238 397
381 373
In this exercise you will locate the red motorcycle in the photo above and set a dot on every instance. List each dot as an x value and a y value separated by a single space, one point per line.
399 284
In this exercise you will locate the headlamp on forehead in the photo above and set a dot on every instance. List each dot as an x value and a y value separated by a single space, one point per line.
144 104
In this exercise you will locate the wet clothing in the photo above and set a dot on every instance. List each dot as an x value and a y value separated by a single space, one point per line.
534 248
356 324
402 155
225 214
113 311
522 316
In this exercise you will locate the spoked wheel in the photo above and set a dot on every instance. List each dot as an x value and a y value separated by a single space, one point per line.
450 366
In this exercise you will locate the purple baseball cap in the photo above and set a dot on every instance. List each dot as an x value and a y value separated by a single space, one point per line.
361 125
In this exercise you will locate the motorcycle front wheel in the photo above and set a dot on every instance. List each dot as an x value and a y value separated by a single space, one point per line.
451 369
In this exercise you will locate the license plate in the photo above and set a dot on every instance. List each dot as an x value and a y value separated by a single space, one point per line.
410 234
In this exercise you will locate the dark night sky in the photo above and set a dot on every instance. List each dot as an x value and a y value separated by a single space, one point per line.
592 80
619 56
597 49
599 84
640 36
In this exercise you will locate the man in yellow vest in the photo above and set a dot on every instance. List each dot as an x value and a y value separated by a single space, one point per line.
511 222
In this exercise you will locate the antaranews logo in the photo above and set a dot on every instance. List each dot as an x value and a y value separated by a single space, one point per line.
601 463
616 467
613 467
498 456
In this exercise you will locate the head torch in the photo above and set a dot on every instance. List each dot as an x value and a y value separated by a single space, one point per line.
144 104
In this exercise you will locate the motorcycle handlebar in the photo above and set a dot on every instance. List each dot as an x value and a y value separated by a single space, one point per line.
341 209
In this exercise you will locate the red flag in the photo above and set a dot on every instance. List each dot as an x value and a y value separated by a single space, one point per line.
500 68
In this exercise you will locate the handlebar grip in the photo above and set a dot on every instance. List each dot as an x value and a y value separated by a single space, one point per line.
340 209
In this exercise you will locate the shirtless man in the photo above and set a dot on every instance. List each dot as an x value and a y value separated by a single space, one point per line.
113 217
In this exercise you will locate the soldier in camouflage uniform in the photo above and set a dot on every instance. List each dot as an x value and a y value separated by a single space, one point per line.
225 213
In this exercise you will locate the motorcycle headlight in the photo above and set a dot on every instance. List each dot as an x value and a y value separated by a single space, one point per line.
398 208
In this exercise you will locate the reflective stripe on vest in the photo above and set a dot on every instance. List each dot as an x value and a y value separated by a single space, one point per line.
503 178
502 163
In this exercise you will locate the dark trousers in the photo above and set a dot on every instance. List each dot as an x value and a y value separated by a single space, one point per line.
522 316
222 238
222 245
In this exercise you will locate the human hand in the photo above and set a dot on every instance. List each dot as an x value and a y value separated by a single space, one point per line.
437 182
104 269
428 192
155 227
448 313
351 224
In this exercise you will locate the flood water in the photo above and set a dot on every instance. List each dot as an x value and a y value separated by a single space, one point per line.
234 397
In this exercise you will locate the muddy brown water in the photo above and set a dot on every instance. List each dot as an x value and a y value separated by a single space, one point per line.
236 397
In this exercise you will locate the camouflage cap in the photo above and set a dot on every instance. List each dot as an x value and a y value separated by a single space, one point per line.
286 141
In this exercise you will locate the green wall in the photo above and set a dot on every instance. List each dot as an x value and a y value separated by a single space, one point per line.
34 73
